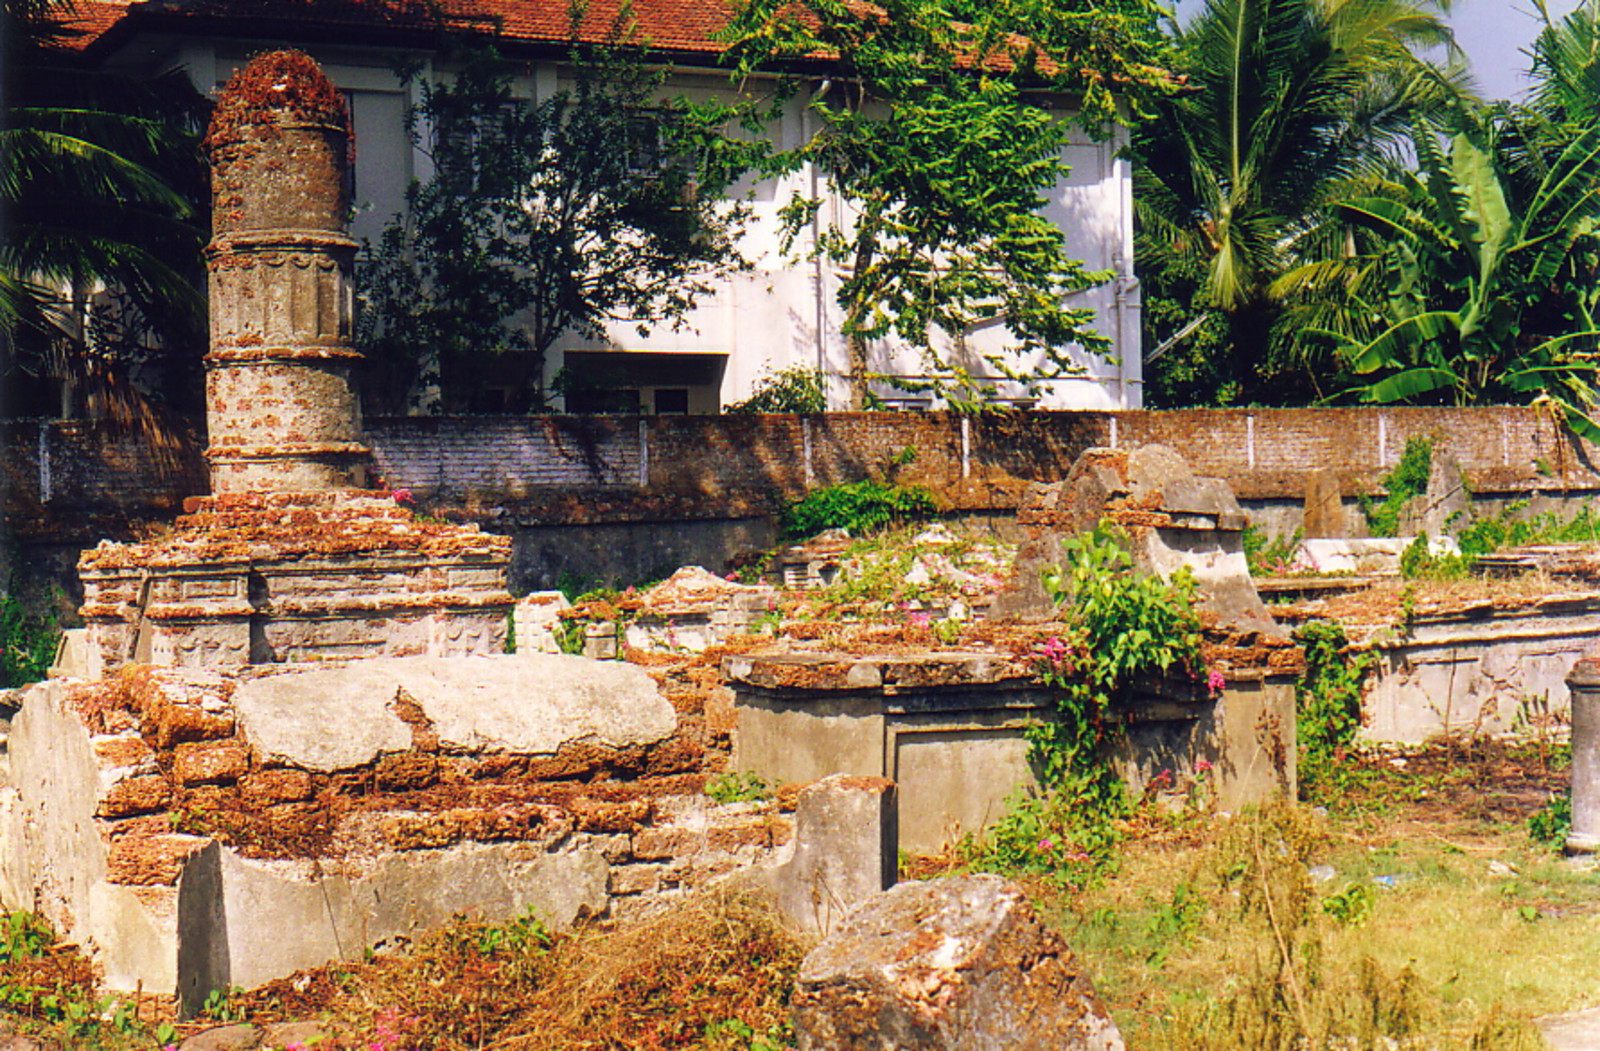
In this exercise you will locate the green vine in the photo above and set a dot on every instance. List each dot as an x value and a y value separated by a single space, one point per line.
1121 630
1408 479
1328 707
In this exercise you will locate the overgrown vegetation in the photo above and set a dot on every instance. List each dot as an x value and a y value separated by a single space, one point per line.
1327 707
738 787
1270 556
1122 630
1381 907
27 643
859 508
799 388
1513 528
1550 825
1409 479
945 173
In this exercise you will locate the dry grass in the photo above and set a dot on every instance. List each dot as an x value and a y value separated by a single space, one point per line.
715 968
1448 933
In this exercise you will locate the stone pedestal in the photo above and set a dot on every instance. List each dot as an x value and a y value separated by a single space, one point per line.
253 578
1584 682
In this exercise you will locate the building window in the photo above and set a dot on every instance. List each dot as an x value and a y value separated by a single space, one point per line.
672 401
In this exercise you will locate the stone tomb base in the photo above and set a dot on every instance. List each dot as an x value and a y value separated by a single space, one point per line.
947 728
258 578
1491 667
196 830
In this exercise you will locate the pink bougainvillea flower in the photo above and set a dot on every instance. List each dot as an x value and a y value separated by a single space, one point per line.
920 620
1216 680
403 496
1046 845
1202 766
1054 650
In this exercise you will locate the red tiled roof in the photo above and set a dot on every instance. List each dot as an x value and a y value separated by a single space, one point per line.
669 25
684 26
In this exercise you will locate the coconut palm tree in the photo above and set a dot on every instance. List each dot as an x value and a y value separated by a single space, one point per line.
99 195
1289 99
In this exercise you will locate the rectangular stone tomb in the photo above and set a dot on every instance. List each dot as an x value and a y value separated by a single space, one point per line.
1481 668
196 830
948 729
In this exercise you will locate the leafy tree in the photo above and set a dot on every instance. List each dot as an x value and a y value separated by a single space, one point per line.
929 133
600 203
1289 100
102 230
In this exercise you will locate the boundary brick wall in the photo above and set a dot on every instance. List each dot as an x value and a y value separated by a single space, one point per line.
65 477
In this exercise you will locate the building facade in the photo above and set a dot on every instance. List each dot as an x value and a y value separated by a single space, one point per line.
778 315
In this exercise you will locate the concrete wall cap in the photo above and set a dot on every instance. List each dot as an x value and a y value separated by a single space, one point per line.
1585 674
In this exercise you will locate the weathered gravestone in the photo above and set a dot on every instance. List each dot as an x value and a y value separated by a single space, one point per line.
1325 513
1170 518
956 964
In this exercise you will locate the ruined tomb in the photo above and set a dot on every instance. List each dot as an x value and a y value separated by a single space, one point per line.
1463 660
1170 518
287 560
198 829
948 729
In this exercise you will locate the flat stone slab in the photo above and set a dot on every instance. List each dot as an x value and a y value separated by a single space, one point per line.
337 718
1575 1031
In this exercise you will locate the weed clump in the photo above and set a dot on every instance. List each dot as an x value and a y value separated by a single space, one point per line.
716 969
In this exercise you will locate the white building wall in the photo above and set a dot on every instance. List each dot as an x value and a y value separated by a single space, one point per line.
782 313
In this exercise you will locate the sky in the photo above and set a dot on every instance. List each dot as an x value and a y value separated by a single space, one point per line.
1493 33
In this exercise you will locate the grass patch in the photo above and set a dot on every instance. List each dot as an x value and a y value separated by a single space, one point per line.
1407 922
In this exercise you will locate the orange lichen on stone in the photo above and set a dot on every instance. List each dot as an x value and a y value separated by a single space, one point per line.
273 88
244 527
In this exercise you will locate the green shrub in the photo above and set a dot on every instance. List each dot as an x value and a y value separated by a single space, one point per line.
859 507
1550 824
27 644
796 389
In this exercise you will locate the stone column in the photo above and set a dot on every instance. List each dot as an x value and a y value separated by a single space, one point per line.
279 407
1584 683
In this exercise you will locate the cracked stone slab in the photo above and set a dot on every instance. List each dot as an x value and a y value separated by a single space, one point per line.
534 703
339 718
323 719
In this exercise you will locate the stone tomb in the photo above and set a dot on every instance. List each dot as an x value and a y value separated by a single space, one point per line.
197 830
253 578
948 728
1168 517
